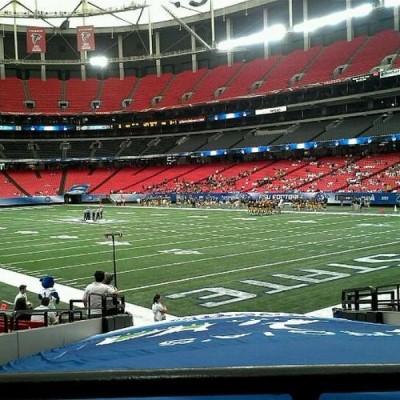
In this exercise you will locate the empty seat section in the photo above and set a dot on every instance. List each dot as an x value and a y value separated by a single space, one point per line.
338 53
146 89
45 94
251 72
17 150
86 176
116 181
143 181
48 149
302 133
49 182
25 180
385 125
160 145
346 128
12 95
106 148
283 72
80 94
256 138
79 149
181 84
40 183
190 143
114 91
216 78
8 188
222 140
375 50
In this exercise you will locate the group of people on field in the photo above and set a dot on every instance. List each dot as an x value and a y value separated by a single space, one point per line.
100 298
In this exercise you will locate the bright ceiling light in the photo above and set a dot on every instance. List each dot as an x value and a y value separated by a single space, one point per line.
333 19
99 61
272 34
391 3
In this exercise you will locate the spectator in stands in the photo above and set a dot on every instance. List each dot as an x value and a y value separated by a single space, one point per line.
22 294
159 310
44 306
21 306
94 294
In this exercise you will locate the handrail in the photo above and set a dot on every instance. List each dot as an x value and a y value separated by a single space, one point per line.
378 298
357 296
4 322
299 381
118 305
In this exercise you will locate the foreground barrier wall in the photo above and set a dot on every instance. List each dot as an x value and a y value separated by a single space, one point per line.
24 343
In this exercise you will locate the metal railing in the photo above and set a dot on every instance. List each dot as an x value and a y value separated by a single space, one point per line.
380 298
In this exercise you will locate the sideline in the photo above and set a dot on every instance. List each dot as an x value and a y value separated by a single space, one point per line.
141 315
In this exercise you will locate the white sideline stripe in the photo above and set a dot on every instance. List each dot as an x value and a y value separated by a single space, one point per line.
141 315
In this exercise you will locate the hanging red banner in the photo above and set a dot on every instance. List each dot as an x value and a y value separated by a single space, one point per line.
36 40
85 38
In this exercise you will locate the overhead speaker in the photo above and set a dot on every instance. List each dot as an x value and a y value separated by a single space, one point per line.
96 104
30 104
197 3
126 103
64 25
63 104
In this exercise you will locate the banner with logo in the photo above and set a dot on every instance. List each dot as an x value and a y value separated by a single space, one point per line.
85 38
36 40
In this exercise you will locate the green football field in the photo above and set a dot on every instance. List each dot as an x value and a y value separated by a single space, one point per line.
206 261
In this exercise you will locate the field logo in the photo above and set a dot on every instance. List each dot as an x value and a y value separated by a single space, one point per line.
303 277
179 252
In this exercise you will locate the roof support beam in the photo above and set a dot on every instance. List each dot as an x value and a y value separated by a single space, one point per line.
186 27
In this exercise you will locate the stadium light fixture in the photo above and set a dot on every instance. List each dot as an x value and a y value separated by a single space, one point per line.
391 3
272 34
333 19
99 61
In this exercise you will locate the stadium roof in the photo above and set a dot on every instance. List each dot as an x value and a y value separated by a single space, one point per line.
106 13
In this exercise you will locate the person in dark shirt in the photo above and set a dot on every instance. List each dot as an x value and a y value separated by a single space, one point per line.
21 306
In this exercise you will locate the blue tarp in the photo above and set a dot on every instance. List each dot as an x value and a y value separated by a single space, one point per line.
228 340
225 340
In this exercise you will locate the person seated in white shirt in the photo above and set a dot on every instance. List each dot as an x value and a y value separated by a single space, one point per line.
94 294
44 306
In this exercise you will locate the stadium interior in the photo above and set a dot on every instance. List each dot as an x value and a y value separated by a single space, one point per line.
189 107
